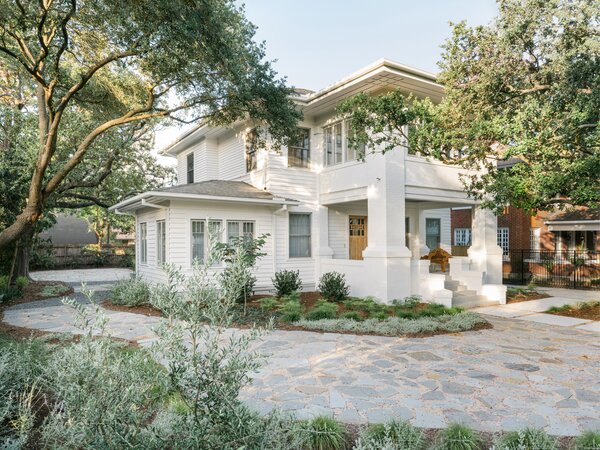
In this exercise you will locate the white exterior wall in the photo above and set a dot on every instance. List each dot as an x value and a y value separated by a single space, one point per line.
151 270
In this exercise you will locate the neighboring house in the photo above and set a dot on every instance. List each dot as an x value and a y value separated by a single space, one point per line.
567 230
69 230
323 209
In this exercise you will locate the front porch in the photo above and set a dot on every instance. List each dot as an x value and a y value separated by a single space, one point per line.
382 257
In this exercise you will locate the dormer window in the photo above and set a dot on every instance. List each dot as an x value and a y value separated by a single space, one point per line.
190 168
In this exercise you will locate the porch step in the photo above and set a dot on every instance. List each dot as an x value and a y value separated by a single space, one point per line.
454 285
470 299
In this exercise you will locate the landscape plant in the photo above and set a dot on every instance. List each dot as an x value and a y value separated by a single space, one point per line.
394 435
131 292
291 310
322 310
322 433
590 440
332 286
527 439
458 437
286 281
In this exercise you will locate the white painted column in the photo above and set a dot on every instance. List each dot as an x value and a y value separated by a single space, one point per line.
322 233
387 259
485 254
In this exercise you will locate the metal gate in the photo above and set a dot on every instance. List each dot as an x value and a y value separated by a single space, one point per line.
573 269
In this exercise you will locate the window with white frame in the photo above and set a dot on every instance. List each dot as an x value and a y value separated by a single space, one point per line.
190 168
299 151
203 240
503 239
352 152
161 242
251 153
143 232
462 237
299 235
238 228
336 145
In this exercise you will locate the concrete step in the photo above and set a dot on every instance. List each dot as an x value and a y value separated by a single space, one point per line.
454 286
470 299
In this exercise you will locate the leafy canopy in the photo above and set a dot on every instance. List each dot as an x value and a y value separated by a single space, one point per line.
524 90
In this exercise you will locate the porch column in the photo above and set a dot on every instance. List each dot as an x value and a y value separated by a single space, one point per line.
485 254
387 259
421 248
322 233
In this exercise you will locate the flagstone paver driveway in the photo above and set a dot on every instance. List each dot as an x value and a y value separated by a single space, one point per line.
518 373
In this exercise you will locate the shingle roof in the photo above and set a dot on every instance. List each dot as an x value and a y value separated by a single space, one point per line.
575 214
220 188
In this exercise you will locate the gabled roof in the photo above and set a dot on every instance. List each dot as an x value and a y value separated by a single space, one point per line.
574 215
211 190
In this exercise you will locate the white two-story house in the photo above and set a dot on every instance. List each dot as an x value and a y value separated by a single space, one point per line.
323 209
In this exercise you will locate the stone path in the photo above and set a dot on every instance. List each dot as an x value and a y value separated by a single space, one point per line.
519 373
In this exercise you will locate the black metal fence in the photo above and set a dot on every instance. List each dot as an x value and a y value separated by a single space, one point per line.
573 269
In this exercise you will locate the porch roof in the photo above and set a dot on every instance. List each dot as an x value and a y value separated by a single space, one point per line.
576 219
211 190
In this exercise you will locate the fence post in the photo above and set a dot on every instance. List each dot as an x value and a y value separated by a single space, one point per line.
522 267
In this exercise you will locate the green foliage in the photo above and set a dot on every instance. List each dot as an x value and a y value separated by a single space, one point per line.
322 433
524 88
4 281
268 303
21 283
368 306
332 286
410 311
589 440
7 292
54 290
132 292
528 439
395 326
351 315
286 281
459 437
291 310
322 310
390 436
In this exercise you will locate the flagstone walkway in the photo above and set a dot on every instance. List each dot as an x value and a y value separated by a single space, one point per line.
517 374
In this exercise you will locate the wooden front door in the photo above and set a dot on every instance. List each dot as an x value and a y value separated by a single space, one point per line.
357 227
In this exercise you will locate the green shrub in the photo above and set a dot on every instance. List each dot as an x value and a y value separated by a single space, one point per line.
589 440
3 282
291 311
322 433
528 439
332 286
21 283
459 437
54 290
390 436
268 303
292 297
132 292
322 310
352 315
286 281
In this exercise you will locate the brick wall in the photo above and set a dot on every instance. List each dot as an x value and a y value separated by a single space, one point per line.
519 224
459 218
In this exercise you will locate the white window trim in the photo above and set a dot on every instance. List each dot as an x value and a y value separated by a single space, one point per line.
467 232
205 239
345 146
503 234
309 161
299 213
240 231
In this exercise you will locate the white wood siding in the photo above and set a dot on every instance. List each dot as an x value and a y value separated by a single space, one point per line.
231 160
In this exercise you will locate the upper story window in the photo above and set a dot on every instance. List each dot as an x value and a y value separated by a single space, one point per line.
251 154
190 168
299 152
337 146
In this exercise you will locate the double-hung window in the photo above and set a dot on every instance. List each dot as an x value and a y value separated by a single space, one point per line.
462 237
299 152
161 242
299 235
143 243
433 234
337 145
503 239
190 168
251 155
238 228
204 239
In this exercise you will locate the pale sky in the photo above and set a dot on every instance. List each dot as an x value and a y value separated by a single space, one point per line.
317 42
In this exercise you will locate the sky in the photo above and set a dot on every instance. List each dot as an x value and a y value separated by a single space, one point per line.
317 42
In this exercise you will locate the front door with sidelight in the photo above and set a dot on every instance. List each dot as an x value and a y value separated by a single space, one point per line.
357 228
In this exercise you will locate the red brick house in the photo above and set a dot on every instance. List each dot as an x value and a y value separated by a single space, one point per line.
574 229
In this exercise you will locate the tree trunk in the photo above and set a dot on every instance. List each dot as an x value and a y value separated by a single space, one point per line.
22 225
22 260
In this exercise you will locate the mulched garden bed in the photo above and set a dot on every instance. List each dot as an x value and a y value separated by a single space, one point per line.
40 290
591 312
524 296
